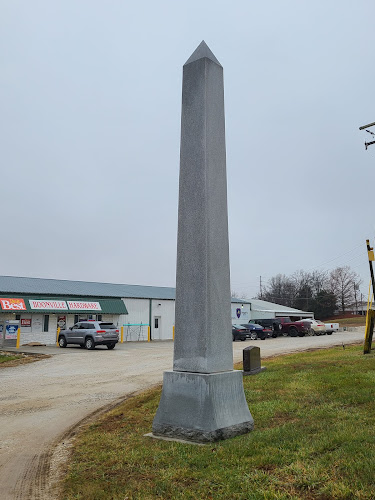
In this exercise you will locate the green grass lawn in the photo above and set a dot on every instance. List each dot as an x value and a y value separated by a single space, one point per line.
8 357
350 321
314 438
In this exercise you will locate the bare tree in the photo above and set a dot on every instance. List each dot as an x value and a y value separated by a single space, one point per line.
319 281
317 289
237 295
280 290
343 282
307 286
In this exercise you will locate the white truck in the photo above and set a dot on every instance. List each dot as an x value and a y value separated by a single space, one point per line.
331 327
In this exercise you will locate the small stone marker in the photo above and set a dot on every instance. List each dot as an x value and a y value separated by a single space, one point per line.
251 360
203 398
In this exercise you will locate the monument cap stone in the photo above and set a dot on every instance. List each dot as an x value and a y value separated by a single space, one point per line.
200 52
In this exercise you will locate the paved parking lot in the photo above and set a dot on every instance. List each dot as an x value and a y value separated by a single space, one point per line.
40 401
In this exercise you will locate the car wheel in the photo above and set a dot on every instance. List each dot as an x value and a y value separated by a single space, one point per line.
301 334
316 333
253 336
111 346
293 332
329 333
62 342
89 343
243 338
285 334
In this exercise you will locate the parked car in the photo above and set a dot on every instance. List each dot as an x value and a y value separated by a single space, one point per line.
272 325
256 331
332 327
292 328
316 327
89 334
239 333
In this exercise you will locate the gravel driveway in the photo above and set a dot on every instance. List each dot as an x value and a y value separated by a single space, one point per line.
41 401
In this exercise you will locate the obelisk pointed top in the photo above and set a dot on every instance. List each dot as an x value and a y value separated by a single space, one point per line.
200 52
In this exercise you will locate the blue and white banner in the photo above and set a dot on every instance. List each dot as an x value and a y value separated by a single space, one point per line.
11 332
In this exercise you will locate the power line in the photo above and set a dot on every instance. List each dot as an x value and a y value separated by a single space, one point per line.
265 282
335 258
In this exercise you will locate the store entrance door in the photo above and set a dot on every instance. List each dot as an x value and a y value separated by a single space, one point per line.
156 334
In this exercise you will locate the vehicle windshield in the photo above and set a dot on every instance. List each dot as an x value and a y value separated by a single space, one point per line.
107 326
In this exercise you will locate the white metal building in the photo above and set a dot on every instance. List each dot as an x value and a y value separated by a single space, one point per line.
263 309
38 306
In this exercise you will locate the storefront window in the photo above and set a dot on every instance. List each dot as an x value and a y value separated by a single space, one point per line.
46 323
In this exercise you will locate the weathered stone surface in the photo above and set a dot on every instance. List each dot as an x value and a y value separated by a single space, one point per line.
202 407
203 318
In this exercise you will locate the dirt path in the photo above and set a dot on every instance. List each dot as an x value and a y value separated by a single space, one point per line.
40 402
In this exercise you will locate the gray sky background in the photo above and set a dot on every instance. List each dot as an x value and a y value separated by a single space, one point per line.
90 105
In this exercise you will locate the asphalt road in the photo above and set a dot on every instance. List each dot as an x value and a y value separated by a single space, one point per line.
41 401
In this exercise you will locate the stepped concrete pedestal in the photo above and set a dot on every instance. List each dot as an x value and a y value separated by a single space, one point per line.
202 407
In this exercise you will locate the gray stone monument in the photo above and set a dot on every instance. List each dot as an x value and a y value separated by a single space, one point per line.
203 398
251 361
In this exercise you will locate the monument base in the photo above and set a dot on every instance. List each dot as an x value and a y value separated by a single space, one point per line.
255 371
202 407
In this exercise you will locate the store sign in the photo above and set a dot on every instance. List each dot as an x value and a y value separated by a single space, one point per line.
51 305
26 322
84 306
11 332
13 305
61 322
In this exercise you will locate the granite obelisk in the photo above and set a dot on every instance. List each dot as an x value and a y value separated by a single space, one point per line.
203 397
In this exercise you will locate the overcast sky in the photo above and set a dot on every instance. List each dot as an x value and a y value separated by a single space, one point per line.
90 106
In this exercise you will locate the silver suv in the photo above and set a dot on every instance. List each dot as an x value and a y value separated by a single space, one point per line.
89 334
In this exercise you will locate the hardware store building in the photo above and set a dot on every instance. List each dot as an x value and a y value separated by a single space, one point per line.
39 306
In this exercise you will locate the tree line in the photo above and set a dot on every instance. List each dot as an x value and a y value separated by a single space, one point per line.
322 292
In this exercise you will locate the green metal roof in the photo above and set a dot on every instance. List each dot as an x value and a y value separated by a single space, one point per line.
107 306
16 285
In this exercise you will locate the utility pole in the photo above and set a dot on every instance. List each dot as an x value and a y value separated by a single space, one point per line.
370 320
370 252
355 297
367 144
260 285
